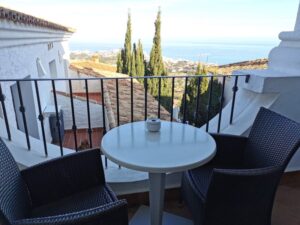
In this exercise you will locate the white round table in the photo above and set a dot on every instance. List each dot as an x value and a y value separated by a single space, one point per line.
176 147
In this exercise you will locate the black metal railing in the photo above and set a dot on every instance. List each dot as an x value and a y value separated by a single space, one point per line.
143 81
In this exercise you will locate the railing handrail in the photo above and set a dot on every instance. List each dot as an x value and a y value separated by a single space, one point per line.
120 78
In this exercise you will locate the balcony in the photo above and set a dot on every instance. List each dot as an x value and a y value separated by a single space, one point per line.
93 103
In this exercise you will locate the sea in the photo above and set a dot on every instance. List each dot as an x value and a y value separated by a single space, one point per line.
213 52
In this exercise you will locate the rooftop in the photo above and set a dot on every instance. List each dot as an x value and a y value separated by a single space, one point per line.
110 96
19 17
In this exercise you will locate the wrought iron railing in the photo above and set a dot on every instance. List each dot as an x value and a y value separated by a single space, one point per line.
35 83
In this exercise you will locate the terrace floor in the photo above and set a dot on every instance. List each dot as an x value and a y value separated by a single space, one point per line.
286 208
82 136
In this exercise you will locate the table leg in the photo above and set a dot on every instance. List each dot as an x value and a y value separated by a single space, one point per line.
157 192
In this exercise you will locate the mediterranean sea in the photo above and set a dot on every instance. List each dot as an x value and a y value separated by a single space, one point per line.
210 52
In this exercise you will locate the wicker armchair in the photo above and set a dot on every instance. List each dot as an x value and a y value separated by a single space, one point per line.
67 190
238 186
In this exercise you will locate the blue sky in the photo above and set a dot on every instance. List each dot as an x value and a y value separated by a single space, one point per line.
182 20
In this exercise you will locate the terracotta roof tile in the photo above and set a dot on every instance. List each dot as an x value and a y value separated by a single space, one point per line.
110 97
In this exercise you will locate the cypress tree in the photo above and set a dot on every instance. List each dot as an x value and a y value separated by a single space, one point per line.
199 118
201 70
156 68
119 62
140 66
156 64
126 56
133 62
204 81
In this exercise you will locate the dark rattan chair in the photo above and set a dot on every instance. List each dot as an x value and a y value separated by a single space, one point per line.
238 186
67 190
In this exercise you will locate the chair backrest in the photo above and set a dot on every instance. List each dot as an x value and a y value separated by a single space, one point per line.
272 141
14 198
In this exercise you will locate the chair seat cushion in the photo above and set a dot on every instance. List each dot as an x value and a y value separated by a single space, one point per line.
88 199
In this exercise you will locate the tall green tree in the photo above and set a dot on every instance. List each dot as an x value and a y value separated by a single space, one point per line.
119 63
156 64
199 118
140 66
126 56
201 70
156 68
133 62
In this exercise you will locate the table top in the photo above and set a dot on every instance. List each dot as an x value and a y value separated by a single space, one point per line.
176 147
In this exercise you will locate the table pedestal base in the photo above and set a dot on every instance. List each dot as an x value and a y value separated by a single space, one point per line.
142 217
156 197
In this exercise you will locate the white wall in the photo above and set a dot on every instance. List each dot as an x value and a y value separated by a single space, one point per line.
20 48
79 86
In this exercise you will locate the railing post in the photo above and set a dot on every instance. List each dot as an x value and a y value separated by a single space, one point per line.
2 99
103 114
184 99
247 78
209 102
234 90
57 118
22 110
131 97
103 104
118 107
221 104
74 128
146 90
172 98
41 116
198 98
88 112
159 95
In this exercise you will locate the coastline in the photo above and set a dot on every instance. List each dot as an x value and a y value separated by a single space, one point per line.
214 52
175 66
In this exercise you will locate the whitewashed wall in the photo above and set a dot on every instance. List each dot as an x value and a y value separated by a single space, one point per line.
79 86
21 46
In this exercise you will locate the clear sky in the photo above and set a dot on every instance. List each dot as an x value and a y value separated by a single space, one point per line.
182 20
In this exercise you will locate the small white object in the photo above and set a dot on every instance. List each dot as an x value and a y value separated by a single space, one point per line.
153 124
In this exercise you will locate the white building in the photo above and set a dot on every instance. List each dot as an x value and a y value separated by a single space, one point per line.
31 47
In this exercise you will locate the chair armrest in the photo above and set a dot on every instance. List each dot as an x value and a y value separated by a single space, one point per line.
241 196
64 176
230 150
114 213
